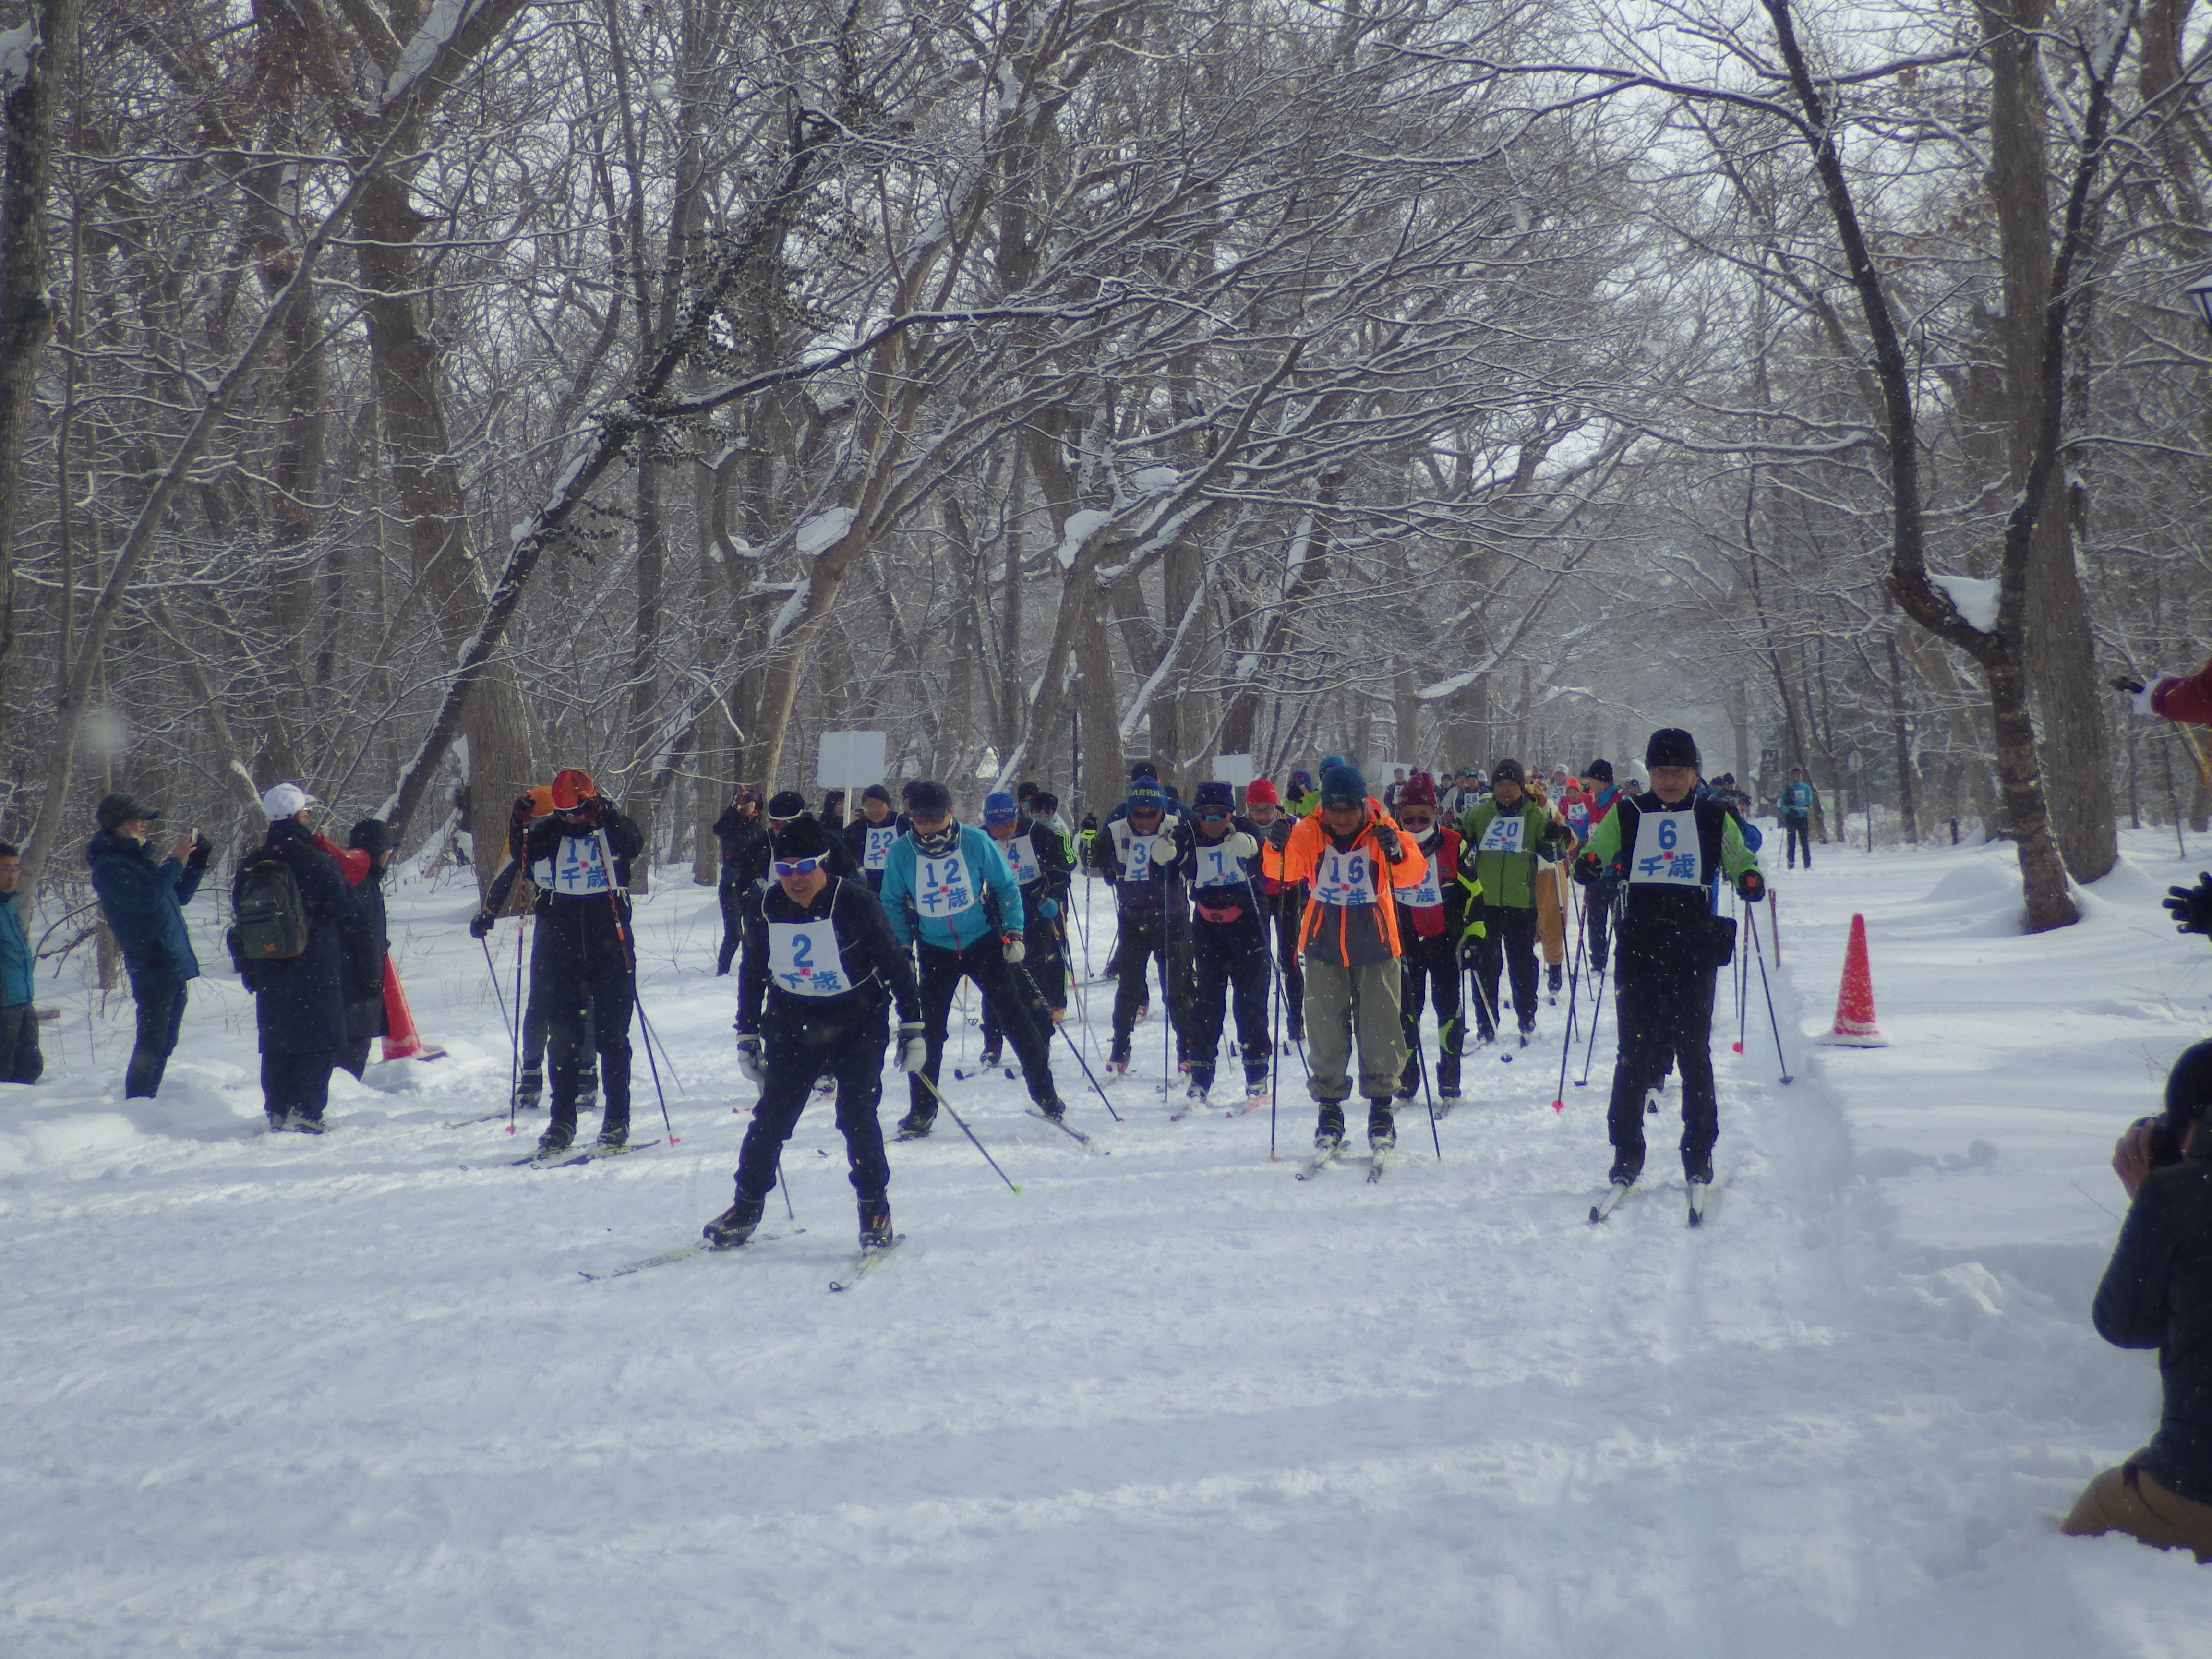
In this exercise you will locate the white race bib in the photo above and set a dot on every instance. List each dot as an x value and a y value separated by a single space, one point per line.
803 959
1578 818
1344 878
878 845
1428 891
1217 867
1504 834
1667 850
1022 859
943 887
1138 866
580 869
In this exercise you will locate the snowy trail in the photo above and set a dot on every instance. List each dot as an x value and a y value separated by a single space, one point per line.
351 1396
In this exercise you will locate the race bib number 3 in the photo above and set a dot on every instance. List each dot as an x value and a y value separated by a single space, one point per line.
1344 878
878 846
803 959
943 886
1667 850
1504 834
1142 850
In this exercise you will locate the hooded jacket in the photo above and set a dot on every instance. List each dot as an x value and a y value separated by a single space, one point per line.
1347 920
2157 1293
300 1002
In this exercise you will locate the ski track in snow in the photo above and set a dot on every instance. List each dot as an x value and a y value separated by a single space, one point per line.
351 1396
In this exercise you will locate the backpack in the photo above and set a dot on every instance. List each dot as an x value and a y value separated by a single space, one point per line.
272 923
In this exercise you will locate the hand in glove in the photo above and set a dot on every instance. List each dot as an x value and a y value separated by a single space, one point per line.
1244 846
1013 947
1587 869
2191 907
480 924
748 1058
1751 886
1278 834
1470 949
203 850
1387 840
1047 910
913 1046
2138 692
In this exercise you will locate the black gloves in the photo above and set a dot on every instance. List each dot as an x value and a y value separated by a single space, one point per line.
1751 886
203 850
1386 837
2191 907
1278 834
1587 869
480 924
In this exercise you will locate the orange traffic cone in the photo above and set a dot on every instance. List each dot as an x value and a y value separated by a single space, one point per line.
405 1042
1854 1027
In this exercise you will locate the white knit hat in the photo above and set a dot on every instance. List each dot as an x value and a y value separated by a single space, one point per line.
284 799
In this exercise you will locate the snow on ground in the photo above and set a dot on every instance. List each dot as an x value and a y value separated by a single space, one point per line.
351 1396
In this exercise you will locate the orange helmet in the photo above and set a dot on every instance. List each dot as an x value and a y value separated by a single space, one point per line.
572 788
541 800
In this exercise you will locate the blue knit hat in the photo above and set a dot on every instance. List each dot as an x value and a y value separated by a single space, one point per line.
1143 795
1342 786
1215 794
999 807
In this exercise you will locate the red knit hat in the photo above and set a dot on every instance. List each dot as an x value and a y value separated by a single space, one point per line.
1417 790
1262 792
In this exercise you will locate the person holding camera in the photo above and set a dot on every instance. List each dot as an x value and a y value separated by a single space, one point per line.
142 898
2157 1293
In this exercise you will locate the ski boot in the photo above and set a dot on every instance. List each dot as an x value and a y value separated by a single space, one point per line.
1697 1168
1195 1093
1381 1127
1328 1130
1117 1057
914 1126
1626 1167
735 1224
613 1136
990 1060
1255 1080
1553 979
277 1123
555 1139
1054 1108
529 1089
875 1224
300 1124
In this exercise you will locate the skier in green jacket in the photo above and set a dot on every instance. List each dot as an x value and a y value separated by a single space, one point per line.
1505 836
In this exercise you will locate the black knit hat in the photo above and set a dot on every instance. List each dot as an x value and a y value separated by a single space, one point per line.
1044 803
1599 769
786 803
801 838
373 837
927 798
876 792
1508 771
1670 745
1342 786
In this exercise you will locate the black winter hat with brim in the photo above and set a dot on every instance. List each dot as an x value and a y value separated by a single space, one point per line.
1670 745
373 837
927 799
786 803
1508 771
121 808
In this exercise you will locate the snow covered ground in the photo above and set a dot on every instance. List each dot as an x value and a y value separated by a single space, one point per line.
351 1396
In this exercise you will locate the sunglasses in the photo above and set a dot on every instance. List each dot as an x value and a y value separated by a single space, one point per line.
799 866
1214 814
1415 821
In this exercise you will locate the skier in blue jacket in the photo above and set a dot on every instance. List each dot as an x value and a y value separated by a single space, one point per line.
1796 811
949 892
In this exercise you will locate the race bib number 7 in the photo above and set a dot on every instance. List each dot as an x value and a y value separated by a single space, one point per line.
1667 850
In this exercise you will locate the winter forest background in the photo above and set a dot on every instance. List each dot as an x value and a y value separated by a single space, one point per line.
397 400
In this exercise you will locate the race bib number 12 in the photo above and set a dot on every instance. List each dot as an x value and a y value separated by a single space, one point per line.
942 886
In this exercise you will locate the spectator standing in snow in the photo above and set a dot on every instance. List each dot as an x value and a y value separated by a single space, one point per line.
369 848
1666 844
2157 1293
1796 811
745 866
1349 851
20 1059
820 969
142 900
299 999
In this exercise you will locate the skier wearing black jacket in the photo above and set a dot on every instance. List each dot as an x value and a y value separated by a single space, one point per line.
580 861
2157 1293
531 807
1142 853
745 866
1039 860
869 835
1228 938
820 967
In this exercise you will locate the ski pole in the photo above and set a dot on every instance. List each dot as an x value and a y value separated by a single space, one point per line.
1771 1018
497 989
1274 1053
784 1187
1743 981
630 961
1078 1049
964 1129
1567 1049
1422 1061
521 1017
1597 1000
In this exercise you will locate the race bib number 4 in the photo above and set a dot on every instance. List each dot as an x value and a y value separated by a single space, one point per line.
1667 850
1504 834
1022 859
803 959
1344 878
878 846
943 886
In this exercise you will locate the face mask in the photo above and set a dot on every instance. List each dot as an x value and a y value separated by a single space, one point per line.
938 845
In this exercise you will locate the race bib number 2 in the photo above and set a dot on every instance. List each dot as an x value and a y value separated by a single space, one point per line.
803 958
1667 850
942 886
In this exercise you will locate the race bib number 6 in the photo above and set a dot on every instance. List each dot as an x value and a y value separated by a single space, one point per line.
1667 850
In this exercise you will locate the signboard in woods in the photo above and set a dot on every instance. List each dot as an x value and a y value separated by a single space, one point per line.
1237 771
850 759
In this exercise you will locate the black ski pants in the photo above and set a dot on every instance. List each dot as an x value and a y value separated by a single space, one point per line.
797 1050
1511 944
730 895
587 991
1144 939
1597 918
534 1028
1431 971
1229 967
1795 828
1290 917
1028 1026
1665 1013
1047 968
160 1013
297 1083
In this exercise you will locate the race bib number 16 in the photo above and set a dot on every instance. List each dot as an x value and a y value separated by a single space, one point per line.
1344 878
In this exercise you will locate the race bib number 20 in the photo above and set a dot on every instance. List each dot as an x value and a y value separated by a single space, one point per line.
1504 834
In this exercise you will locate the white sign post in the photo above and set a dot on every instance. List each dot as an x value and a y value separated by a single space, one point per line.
850 761
1237 771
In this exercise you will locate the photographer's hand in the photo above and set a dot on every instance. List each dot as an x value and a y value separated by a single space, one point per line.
2131 1154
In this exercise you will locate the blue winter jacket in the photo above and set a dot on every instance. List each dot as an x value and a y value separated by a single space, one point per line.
991 884
15 958
143 900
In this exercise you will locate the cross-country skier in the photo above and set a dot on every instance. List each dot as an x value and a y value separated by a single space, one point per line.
1040 865
1599 902
1141 853
1300 800
1229 941
513 885
869 836
1671 949
1431 918
1507 835
1796 811
820 967
580 859
787 806
744 838
947 889
1286 904
1349 850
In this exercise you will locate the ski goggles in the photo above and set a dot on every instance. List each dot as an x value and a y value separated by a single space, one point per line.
799 866
1212 814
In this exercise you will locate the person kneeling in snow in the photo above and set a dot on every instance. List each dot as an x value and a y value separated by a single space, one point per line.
819 953
2157 1293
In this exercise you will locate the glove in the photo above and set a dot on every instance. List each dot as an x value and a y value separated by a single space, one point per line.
913 1047
1278 834
1013 947
2138 692
1047 910
1244 846
748 1058
1386 838
480 924
203 850
1751 887
1587 869
2191 907
519 815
